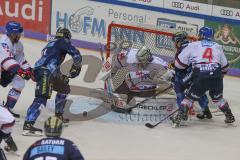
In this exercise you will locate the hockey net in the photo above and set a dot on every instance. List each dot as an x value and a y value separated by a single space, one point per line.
124 36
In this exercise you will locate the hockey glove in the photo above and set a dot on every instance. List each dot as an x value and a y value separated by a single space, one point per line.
75 71
25 74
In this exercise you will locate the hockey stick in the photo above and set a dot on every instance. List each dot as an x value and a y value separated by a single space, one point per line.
2 155
149 125
156 94
129 110
101 53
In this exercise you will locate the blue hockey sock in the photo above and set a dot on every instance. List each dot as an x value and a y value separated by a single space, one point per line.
60 101
34 110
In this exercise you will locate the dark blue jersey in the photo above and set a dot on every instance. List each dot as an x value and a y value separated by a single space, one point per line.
53 149
181 73
54 54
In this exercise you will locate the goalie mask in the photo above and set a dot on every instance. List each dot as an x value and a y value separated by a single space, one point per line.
144 55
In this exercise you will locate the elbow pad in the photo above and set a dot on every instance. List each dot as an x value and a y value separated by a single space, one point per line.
13 70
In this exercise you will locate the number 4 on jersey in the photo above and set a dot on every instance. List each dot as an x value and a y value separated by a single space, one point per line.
208 54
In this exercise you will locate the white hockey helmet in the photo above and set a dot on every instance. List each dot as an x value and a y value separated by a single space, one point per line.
144 55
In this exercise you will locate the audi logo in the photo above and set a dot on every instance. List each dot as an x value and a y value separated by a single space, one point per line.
226 12
177 5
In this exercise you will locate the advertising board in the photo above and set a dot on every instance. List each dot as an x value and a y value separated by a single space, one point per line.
34 15
89 20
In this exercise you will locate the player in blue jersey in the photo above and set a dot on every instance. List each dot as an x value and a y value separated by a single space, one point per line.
180 40
49 77
53 146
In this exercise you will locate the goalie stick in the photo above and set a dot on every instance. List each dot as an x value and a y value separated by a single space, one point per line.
149 125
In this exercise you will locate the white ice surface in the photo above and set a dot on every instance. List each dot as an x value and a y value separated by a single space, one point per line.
110 140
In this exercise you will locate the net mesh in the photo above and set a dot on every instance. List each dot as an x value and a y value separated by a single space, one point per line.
158 40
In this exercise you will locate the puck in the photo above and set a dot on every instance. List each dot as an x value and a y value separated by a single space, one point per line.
84 113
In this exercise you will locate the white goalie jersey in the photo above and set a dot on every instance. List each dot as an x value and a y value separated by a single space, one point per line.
139 78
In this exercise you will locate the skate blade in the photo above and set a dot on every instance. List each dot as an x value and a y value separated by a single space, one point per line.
13 153
182 124
34 134
231 124
175 125
218 114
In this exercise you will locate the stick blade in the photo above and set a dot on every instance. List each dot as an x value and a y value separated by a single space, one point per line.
149 125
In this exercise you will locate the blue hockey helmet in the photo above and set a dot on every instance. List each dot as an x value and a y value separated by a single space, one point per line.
206 33
13 27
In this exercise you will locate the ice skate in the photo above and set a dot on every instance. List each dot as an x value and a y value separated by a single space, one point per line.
230 119
182 115
176 120
205 114
30 130
11 145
